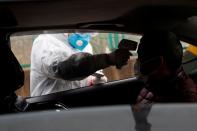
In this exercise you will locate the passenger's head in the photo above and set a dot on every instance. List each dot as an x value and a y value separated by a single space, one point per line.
159 51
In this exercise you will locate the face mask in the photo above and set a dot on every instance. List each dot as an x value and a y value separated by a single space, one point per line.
79 40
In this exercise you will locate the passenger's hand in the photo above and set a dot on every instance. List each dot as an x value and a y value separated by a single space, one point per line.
141 110
145 97
119 57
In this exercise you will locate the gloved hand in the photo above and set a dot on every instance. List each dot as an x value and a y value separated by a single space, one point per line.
93 80
96 80
119 57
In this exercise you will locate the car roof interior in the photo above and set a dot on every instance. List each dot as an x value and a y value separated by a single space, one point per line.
133 16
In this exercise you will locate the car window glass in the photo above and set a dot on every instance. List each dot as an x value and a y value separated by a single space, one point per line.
101 43
189 58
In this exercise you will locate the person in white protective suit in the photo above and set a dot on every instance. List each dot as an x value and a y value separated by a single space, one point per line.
62 62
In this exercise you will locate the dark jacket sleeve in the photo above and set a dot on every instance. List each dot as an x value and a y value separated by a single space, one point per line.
81 65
